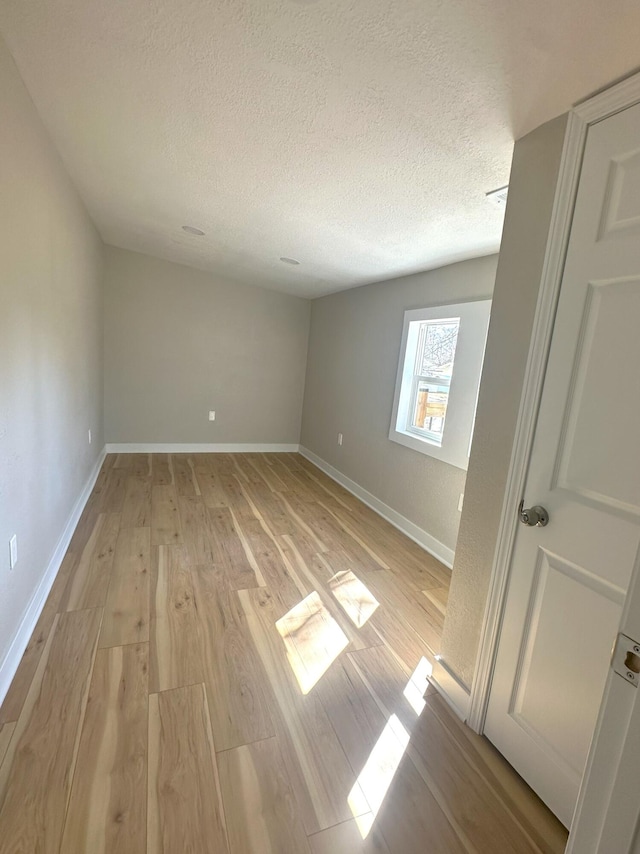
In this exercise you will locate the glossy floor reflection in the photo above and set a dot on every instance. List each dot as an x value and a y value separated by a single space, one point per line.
234 658
312 638
357 601
417 685
372 785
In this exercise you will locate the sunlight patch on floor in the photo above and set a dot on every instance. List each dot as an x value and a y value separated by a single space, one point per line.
312 638
356 599
417 685
369 790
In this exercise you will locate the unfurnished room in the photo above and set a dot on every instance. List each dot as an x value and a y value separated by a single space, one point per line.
319 406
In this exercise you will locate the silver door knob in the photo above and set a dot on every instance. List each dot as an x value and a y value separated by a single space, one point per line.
534 517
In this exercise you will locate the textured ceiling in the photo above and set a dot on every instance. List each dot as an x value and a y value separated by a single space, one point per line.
358 136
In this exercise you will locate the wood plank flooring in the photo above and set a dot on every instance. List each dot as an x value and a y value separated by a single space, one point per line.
233 659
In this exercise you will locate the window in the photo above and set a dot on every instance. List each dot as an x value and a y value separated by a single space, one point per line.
431 380
438 378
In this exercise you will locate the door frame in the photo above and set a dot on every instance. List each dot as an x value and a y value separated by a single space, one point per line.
593 109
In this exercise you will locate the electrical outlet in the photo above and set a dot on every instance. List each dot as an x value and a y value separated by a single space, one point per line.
212 415
89 432
13 551
339 438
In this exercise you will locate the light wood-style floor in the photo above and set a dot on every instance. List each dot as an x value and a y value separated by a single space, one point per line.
232 660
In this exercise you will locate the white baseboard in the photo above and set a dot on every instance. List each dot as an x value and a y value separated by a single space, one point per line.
418 535
450 689
14 654
197 448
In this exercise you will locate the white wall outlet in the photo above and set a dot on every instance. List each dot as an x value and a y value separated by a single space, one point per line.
339 438
13 551
461 501
212 415
89 434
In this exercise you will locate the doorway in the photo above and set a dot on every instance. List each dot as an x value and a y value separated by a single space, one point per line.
548 637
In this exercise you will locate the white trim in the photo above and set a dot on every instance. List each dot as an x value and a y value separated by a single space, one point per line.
197 448
624 94
443 553
14 654
450 689
551 278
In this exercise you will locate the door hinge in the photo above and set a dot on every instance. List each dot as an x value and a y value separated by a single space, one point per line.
626 659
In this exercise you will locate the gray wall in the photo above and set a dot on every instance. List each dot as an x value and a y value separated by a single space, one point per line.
532 185
353 357
50 348
179 342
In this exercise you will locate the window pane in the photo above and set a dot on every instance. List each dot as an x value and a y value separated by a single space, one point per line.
430 408
437 348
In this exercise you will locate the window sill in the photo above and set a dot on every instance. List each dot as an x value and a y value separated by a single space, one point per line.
428 448
420 437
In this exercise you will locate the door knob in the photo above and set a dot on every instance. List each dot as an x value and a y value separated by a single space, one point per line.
534 517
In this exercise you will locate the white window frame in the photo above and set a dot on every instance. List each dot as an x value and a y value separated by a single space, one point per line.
454 446
416 379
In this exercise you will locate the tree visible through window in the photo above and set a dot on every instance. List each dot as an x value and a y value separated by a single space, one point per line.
438 376
433 370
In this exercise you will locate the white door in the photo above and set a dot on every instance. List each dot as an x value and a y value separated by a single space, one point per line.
568 580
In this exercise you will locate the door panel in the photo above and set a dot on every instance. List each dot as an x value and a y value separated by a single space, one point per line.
594 455
622 197
559 660
568 580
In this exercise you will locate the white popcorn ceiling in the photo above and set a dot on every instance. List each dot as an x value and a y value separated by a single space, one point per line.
356 136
